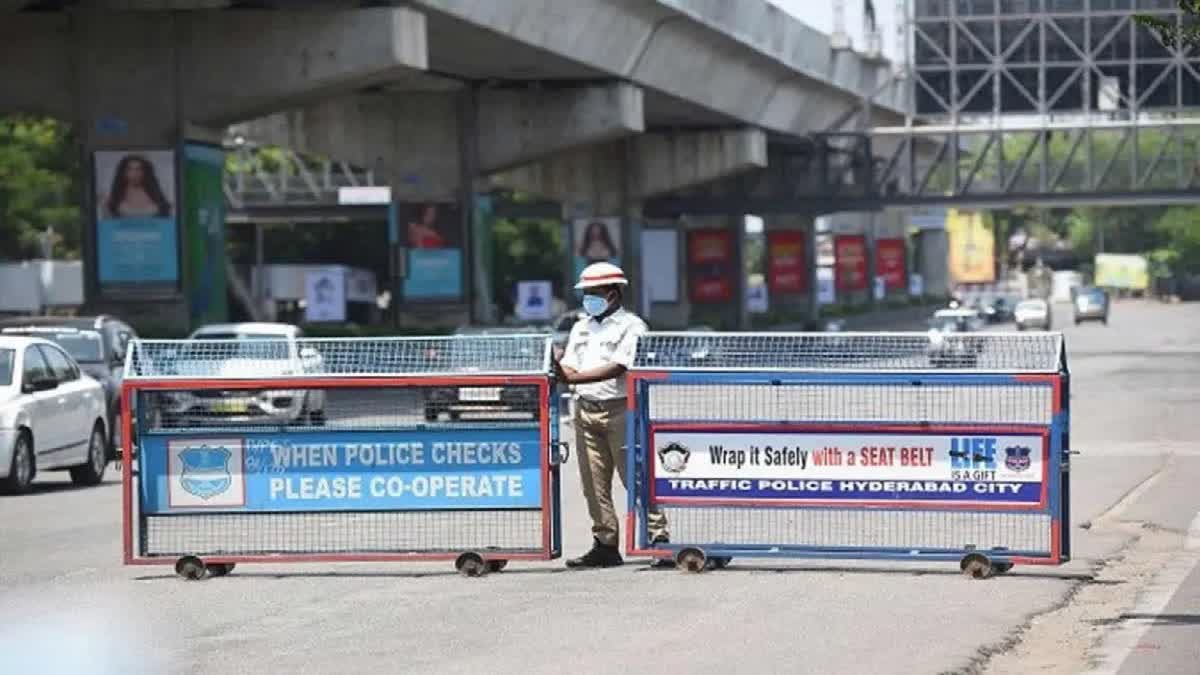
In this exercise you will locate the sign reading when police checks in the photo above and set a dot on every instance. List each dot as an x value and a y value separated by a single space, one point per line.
849 467
355 471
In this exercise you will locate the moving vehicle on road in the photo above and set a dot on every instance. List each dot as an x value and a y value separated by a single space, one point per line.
949 345
52 415
1091 304
98 344
482 402
244 350
1032 313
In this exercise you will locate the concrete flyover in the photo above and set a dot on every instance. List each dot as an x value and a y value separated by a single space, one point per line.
597 104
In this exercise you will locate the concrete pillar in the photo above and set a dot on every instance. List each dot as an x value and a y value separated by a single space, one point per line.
142 82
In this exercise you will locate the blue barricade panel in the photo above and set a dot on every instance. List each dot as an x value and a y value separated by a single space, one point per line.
299 450
852 445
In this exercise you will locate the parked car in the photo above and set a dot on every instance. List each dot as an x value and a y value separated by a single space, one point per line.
52 415
1033 313
460 357
254 350
98 345
949 346
1091 304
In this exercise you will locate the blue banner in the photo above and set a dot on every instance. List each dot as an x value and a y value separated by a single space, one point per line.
851 490
342 471
133 250
434 274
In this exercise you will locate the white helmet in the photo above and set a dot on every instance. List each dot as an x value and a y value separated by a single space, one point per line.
601 274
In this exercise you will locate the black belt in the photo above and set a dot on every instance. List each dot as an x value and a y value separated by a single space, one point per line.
600 406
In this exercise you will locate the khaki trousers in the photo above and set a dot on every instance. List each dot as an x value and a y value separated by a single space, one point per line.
600 446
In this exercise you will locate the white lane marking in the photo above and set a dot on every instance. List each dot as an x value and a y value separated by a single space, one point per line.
1119 644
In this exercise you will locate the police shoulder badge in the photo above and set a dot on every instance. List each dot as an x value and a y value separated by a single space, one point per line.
674 457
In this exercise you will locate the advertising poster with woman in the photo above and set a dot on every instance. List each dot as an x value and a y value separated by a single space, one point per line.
435 258
137 239
595 240
710 263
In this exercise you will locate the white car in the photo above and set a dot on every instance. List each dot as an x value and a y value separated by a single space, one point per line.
246 350
52 416
1032 313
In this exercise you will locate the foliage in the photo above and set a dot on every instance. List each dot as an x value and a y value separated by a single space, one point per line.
1181 227
39 187
1186 35
525 250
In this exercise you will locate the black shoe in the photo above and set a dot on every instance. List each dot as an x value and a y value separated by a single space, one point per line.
665 562
601 555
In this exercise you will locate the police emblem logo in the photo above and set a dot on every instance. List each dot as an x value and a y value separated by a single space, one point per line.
674 457
1016 458
206 473
205 470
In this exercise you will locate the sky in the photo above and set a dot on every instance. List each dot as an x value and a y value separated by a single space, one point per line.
819 15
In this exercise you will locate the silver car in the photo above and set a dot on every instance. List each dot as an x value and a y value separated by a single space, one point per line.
246 350
1091 304
1032 314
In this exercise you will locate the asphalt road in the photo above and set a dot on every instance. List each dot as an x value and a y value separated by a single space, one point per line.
68 606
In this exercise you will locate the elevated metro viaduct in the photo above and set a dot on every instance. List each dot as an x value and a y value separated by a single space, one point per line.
599 105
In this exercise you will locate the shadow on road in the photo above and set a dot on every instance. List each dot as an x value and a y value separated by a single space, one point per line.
283 576
948 572
1154 619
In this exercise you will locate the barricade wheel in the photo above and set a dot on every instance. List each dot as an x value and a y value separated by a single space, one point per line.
690 560
220 569
191 568
496 565
471 565
976 566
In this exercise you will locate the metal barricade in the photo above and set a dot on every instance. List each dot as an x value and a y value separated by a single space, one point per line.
901 446
305 450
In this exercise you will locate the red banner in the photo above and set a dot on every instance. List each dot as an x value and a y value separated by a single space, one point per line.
850 262
890 257
710 263
786 271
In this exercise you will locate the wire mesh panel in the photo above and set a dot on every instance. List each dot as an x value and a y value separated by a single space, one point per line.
869 352
313 357
252 466
771 449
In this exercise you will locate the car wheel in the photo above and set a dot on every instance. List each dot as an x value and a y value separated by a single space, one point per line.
316 418
92 472
21 470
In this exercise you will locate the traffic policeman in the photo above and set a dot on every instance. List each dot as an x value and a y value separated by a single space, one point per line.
600 349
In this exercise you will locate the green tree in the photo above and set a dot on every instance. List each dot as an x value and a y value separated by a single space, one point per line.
39 187
1180 226
525 250
1185 35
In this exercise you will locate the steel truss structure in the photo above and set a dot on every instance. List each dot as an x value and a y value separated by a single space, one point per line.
1014 102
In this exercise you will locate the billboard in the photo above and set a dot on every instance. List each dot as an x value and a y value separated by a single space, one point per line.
204 232
137 238
786 269
1114 270
850 262
433 236
710 265
891 256
972 248
595 240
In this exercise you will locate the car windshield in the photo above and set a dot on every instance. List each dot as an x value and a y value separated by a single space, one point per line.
84 346
6 366
249 346
1093 295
